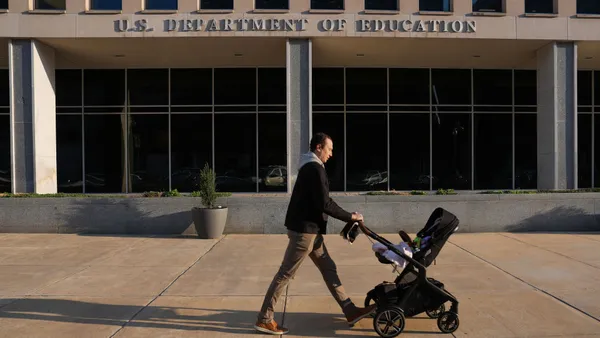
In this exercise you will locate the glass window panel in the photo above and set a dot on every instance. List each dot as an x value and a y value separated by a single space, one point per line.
104 87
451 151
272 4
588 7
3 4
272 86
410 108
328 85
409 151
4 88
104 110
584 150
68 110
278 108
525 87
539 6
161 4
216 4
147 87
381 108
149 152
435 5
596 150
68 87
106 4
488 5
105 153
525 109
191 149
381 5
493 151
51 4
525 151
596 80
5 169
235 86
328 108
191 109
584 88
367 154
191 86
409 86
326 4
482 109
451 86
272 145
366 85
69 159
332 124
235 152
492 87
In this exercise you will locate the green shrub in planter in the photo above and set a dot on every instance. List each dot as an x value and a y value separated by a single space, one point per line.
210 220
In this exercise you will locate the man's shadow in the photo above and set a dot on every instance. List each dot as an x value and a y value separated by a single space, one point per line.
178 317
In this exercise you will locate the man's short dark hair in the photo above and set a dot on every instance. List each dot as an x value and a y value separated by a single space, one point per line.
318 138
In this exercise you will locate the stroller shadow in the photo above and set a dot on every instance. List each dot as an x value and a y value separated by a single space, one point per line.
154 319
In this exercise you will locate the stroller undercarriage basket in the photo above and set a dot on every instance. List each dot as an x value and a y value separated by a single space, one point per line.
412 292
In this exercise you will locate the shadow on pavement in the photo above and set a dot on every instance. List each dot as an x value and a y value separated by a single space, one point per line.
152 318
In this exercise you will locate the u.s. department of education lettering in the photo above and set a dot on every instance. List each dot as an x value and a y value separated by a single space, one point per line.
298 25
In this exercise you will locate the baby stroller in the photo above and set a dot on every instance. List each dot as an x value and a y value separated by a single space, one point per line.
412 292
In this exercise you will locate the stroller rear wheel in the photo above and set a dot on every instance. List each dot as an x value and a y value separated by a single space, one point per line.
448 322
389 322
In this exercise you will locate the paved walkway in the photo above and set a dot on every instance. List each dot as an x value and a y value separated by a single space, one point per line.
509 285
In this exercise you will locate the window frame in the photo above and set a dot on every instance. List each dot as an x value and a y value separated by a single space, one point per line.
382 10
35 7
328 10
426 11
288 7
501 12
553 12
90 7
170 10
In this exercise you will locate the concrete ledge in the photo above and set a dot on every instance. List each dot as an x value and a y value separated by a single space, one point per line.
265 214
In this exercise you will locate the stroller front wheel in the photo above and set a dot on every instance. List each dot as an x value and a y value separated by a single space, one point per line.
448 322
389 322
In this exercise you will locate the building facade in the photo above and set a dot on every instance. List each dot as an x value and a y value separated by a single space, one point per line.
111 96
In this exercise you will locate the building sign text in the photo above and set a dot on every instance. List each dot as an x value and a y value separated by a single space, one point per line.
298 25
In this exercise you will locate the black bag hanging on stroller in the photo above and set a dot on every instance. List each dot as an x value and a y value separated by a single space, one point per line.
412 292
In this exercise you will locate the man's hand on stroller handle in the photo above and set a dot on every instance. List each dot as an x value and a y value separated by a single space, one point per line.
357 216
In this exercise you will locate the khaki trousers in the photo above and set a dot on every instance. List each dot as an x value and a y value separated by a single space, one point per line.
302 245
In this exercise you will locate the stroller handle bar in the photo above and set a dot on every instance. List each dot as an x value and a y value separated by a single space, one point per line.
422 271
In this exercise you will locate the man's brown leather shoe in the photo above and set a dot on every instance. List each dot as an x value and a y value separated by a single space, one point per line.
271 328
354 314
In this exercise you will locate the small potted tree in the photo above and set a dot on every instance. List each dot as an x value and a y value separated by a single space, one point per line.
210 220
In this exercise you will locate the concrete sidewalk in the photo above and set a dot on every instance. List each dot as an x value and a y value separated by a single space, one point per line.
508 285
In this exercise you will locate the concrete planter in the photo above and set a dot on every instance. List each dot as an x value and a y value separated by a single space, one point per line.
209 223
265 214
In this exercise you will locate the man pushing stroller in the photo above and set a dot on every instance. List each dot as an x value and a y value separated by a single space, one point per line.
306 221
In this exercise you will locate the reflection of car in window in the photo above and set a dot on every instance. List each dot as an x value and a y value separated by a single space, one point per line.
374 177
272 176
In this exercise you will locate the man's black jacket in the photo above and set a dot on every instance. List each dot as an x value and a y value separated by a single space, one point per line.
310 204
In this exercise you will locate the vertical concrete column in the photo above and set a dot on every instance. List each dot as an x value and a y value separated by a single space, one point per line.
299 103
557 115
33 117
